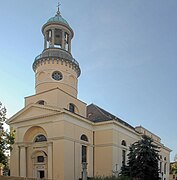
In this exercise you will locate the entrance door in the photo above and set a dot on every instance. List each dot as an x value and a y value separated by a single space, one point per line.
40 174
40 165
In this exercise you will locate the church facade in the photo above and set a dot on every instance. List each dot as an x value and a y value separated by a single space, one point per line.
58 135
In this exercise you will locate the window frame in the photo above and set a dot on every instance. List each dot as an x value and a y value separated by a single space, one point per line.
84 138
57 76
72 107
41 138
41 102
40 161
84 154
123 157
123 143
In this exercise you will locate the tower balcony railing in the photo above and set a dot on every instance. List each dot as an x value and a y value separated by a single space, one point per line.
56 53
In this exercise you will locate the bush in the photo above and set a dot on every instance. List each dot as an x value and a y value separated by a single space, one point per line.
110 178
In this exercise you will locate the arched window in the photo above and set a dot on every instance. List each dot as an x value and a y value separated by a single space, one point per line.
41 102
84 137
40 138
84 148
123 143
71 108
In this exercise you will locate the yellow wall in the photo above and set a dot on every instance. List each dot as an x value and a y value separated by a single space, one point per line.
44 80
59 99
64 132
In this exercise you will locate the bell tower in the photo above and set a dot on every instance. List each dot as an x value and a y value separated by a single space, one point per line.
55 67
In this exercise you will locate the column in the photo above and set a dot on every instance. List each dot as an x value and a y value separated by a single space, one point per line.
69 43
22 161
45 41
50 160
63 40
53 37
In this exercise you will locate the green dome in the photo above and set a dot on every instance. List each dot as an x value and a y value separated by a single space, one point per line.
58 18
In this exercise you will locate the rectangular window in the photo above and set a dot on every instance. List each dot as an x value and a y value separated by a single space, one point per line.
84 153
165 168
123 157
40 159
160 167
71 108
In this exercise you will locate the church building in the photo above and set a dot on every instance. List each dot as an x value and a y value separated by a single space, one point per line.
58 136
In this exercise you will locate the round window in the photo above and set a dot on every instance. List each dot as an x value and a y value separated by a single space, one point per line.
57 75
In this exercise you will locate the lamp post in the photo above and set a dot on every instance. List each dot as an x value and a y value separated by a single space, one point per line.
162 175
84 170
116 171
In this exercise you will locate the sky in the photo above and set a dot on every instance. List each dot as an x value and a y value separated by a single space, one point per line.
126 49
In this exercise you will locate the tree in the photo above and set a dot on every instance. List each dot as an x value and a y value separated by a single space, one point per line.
143 160
6 138
173 168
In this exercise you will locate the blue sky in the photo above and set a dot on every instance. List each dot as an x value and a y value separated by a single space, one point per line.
127 51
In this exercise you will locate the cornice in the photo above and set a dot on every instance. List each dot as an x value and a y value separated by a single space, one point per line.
56 60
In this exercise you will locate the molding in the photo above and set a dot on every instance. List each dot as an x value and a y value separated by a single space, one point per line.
112 122
55 60
57 88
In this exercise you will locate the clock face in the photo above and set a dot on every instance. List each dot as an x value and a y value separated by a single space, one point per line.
57 75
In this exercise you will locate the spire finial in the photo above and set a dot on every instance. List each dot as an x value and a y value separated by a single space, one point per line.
58 11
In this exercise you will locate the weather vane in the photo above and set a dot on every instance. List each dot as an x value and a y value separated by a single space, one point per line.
59 5
58 12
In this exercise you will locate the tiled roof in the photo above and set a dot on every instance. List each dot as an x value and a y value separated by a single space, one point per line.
97 114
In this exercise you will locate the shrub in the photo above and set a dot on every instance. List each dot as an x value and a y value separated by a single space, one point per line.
110 178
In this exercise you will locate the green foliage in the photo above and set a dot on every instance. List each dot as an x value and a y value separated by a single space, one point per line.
110 178
142 160
173 168
6 138
125 171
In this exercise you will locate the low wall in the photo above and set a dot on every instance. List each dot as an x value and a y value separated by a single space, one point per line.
15 178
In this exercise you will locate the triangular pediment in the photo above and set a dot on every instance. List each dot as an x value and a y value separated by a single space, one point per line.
32 112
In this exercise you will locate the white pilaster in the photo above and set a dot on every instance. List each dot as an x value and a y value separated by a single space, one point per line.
63 40
50 160
53 37
69 43
22 161
45 41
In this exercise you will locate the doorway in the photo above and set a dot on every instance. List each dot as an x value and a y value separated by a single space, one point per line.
40 174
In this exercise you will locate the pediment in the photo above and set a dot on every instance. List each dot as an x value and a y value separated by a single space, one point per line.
32 112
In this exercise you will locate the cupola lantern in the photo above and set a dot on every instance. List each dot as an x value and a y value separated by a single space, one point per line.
57 33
